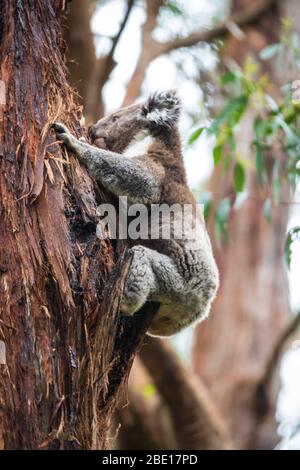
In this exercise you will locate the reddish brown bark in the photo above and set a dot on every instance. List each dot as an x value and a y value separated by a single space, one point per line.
67 352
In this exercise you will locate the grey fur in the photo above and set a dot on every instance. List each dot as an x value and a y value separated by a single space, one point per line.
180 274
113 170
163 108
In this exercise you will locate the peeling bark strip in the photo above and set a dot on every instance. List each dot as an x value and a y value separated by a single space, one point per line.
67 354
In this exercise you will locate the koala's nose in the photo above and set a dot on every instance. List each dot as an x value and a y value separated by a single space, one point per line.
97 137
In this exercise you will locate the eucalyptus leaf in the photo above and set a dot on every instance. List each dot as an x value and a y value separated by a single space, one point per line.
195 135
217 154
228 77
276 182
231 114
239 177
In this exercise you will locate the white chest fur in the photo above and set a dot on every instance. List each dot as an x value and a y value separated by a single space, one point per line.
139 145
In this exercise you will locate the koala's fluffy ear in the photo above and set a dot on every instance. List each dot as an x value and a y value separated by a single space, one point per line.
163 108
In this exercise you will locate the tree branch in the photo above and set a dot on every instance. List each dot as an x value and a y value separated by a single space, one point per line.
89 74
105 66
241 18
144 425
196 421
151 49
130 4
261 393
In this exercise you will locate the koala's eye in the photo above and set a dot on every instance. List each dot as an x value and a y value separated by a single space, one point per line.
114 118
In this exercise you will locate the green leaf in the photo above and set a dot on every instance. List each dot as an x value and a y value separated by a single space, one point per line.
195 135
262 129
217 154
239 177
270 51
232 142
276 183
260 163
228 77
291 136
231 114
292 236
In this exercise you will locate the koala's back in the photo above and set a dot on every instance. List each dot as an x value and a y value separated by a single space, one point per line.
178 231
190 254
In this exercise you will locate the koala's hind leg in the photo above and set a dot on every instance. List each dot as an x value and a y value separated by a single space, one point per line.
152 276
155 277
140 282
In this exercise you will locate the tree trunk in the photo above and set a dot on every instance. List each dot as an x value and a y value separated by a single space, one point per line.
67 351
233 347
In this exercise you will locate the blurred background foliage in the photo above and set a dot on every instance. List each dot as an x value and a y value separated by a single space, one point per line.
236 65
275 124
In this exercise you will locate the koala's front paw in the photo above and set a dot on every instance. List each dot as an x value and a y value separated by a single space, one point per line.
60 128
64 135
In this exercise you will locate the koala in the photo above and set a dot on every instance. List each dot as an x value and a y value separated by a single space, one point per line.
136 152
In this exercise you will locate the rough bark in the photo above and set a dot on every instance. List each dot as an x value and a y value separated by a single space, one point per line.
234 347
67 351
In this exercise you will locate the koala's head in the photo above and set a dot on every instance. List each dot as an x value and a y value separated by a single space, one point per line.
158 114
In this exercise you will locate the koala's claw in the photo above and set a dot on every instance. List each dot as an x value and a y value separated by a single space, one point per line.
60 128
64 135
